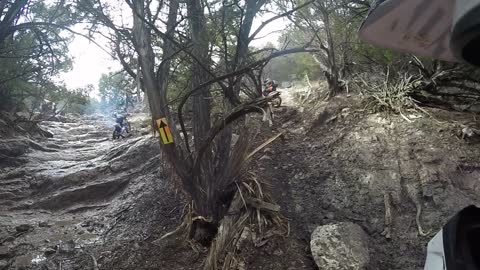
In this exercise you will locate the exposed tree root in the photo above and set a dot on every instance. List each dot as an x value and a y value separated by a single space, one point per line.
94 261
388 216
250 207
415 196
253 208
421 232
183 230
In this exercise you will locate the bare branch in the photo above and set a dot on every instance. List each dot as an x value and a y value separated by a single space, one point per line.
230 75
31 25
252 36
236 113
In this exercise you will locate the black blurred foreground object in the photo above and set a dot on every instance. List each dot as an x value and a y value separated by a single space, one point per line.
457 245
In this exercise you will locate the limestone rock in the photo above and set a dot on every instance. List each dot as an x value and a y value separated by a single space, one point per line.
4 252
24 228
14 147
341 246
44 224
3 264
23 262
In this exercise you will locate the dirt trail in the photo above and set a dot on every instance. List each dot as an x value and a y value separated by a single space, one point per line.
61 198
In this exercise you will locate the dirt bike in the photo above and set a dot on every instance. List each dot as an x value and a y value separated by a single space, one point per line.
276 101
121 131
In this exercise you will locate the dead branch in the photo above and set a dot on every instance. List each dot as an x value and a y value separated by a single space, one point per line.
94 260
239 111
388 216
32 25
287 13
421 232
262 205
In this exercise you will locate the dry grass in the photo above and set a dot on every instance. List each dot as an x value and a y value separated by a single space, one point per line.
392 96
252 207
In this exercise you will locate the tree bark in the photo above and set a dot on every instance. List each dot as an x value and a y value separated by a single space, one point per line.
332 75
156 89
207 204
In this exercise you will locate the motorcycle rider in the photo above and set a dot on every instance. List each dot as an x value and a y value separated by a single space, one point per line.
270 87
120 119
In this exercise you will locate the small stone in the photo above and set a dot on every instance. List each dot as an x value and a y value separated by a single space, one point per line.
3 265
467 132
4 252
50 251
298 209
363 191
67 247
265 157
44 224
330 243
287 124
23 262
81 232
278 252
86 223
23 228
330 215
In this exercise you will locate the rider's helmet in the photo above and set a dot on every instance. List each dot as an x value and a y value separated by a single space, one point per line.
267 81
118 114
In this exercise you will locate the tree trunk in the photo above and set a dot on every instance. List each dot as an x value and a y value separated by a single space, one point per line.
332 75
207 203
155 88
138 84
225 139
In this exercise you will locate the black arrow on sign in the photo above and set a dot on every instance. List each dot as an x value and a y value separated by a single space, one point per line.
162 126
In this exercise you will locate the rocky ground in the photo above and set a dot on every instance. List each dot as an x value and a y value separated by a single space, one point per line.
342 165
370 187
60 196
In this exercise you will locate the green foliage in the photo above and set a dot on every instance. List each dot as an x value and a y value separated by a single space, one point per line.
32 51
295 65
78 101
114 89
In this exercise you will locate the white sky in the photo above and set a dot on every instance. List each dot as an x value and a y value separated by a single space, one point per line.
90 62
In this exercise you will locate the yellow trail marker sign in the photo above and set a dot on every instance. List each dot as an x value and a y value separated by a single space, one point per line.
164 130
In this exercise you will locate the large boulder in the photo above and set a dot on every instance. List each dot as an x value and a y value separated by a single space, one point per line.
14 147
341 246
